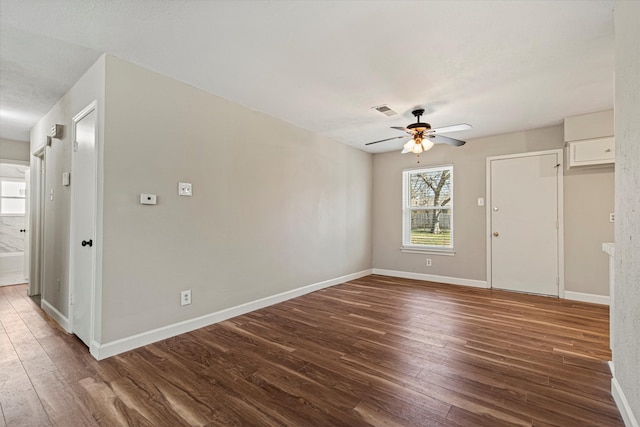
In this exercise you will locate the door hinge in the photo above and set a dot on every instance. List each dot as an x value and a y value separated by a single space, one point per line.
557 224
71 299
75 145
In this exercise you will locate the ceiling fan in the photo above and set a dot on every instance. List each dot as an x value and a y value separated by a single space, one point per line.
423 137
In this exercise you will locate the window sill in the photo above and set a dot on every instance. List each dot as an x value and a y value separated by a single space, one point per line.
429 251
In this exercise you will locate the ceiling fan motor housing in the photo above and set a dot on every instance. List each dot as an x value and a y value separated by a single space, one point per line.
418 126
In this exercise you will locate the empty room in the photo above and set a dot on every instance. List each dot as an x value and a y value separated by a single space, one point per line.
319 213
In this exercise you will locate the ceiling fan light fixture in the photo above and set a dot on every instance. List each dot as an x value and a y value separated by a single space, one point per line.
417 149
409 145
427 144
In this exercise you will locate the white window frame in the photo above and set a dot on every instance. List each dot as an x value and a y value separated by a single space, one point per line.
407 246
8 179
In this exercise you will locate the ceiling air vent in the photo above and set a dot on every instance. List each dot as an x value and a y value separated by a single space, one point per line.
385 110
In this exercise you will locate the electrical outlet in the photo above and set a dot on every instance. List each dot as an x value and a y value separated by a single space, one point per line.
612 217
185 297
428 262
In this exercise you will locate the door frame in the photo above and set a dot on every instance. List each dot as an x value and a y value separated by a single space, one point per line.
36 222
560 195
73 232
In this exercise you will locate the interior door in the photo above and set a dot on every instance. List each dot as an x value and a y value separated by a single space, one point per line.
83 215
524 218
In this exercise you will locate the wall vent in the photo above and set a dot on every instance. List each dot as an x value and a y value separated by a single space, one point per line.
385 110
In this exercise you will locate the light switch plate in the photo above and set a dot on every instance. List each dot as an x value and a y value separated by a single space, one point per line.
480 201
148 199
66 179
185 189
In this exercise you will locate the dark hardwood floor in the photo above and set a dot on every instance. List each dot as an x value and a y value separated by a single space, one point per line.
375 351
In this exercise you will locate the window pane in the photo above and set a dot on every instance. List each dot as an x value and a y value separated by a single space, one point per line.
430 188
13 188
431 227
12 206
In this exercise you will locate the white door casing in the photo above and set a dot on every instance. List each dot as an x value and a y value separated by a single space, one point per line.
83 223
36 223
524 223
27 234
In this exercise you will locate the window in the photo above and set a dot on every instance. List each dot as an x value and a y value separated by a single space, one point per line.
427 208
12 196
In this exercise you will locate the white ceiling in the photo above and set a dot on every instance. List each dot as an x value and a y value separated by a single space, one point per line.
501 66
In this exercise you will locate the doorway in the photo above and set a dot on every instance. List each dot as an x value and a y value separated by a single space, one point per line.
14 222
524 221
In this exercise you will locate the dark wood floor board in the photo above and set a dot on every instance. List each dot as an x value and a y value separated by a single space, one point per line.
364 378
462 417
379 411
499 398
106 408
447 395
376 351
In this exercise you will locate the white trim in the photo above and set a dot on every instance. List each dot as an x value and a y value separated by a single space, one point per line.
560 194
623 404
102 351
432 278
584 297
406 209
60 318
39 152
414 250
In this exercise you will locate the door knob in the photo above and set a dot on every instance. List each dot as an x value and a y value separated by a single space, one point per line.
496 234
87 242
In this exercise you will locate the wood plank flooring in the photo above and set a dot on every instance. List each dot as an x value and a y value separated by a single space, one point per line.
375 351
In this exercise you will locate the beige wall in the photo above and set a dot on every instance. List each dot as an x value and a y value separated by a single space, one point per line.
274 207
588 126
586 268
14 150
626 316
55 286
588 201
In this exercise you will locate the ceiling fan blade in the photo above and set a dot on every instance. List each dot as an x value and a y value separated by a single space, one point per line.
388 139
401 128
452 128
441 139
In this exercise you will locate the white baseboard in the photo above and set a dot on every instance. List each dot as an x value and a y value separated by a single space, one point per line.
60 318
581 296
623 404
432 278
102 351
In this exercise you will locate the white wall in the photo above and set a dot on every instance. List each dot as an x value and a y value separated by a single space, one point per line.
586 268
55 286
274 207
626 345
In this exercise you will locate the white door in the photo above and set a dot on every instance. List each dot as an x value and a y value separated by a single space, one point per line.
27 225
525 244
83 217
